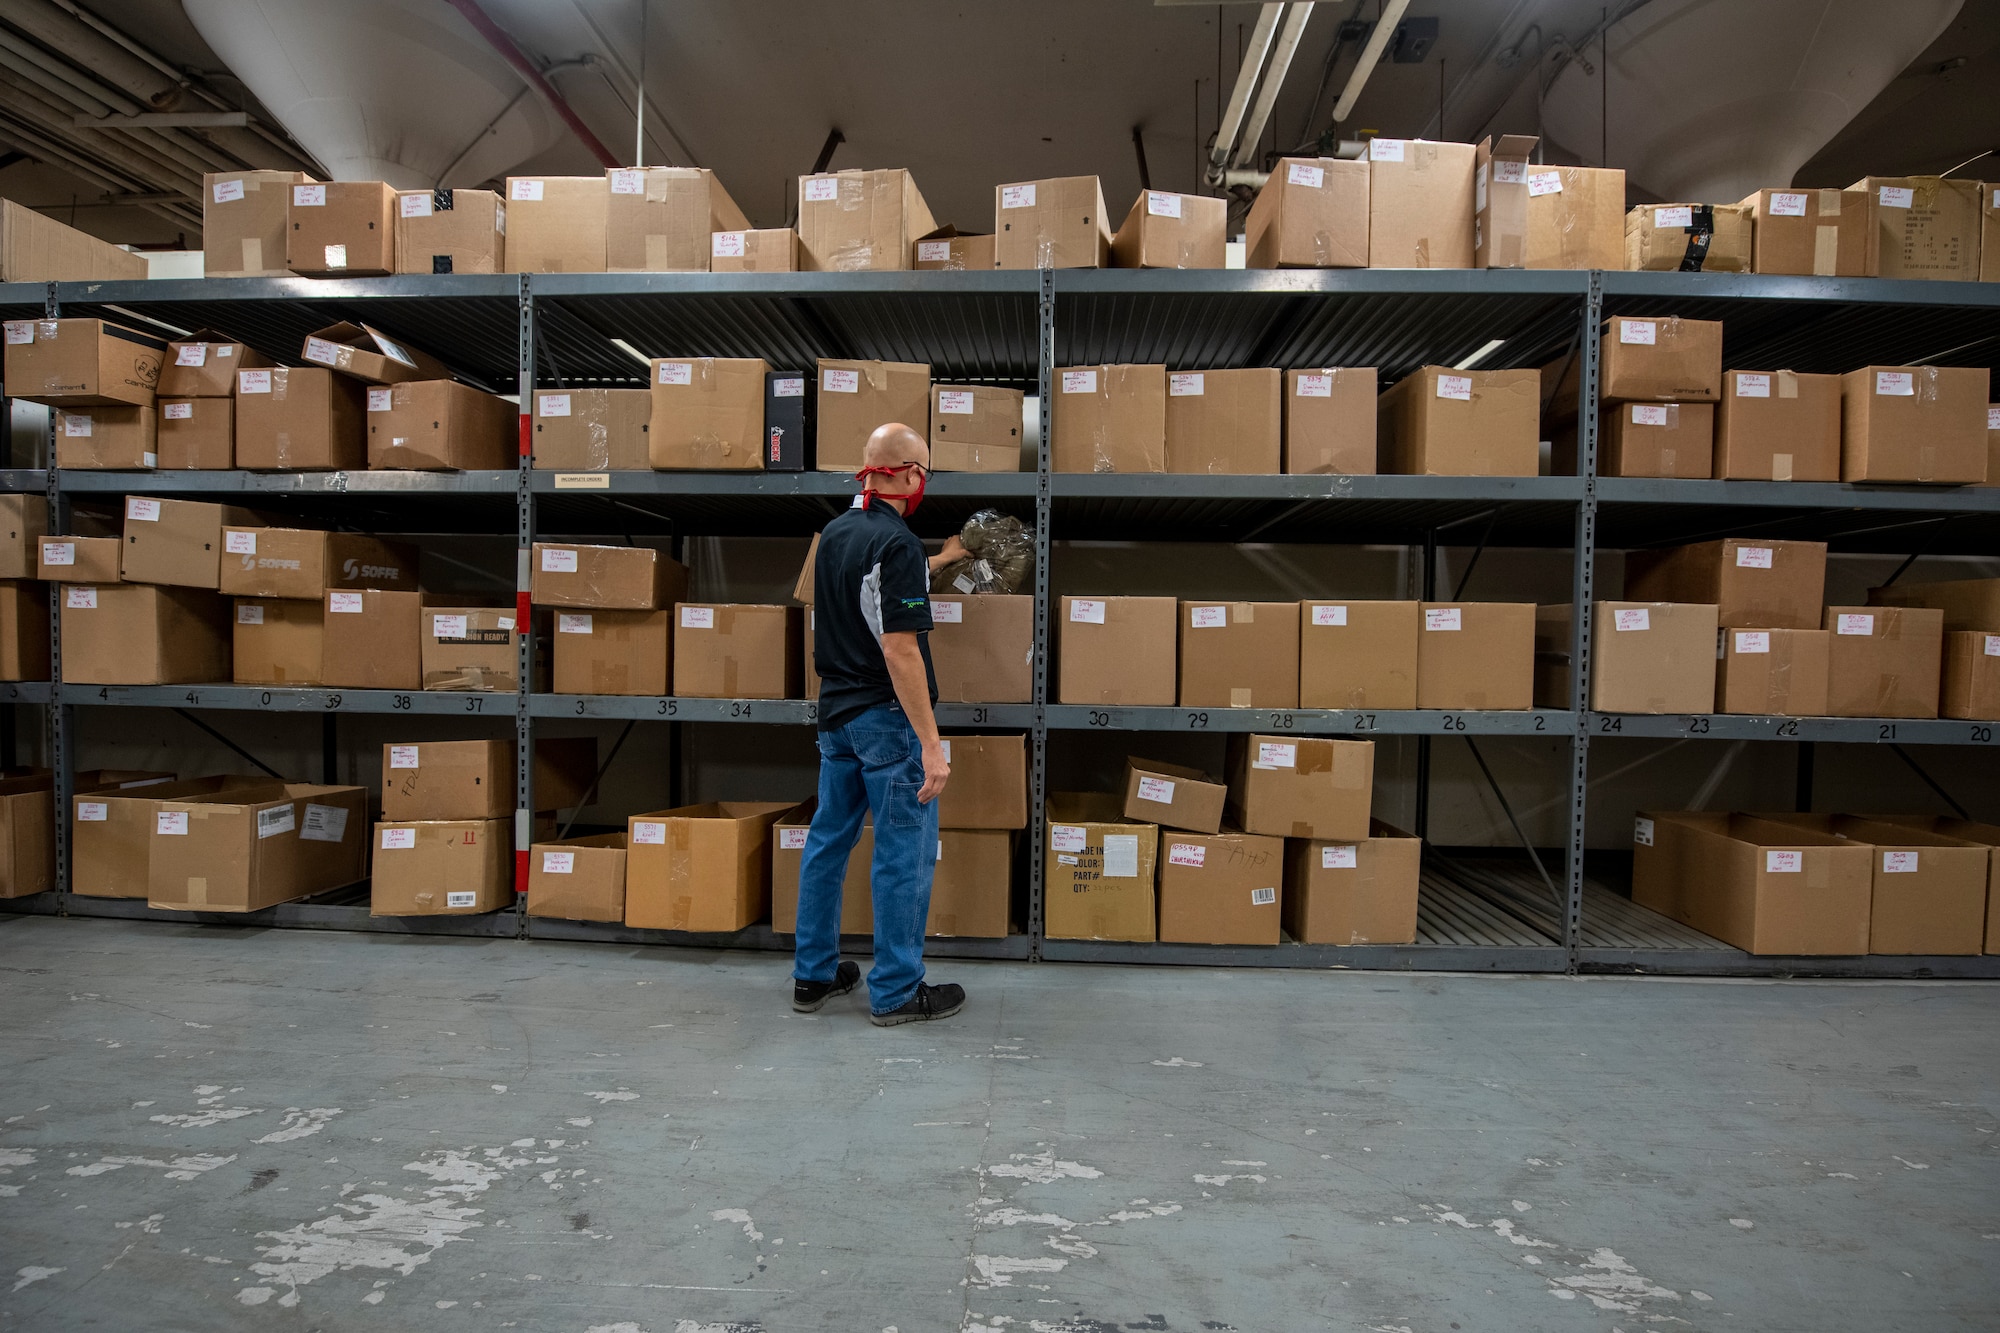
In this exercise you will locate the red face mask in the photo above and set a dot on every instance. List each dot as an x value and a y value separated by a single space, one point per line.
911 500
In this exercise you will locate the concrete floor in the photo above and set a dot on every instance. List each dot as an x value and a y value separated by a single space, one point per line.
206 1129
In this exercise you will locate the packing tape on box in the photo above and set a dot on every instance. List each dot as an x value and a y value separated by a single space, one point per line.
1788 385
1826 251
253 253
1829 203
197 891
1239 698
1781 467
1243 613
659 253
1322 249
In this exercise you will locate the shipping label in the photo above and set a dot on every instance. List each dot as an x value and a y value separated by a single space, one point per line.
1343 857
1329 615
1778 862
1186 854
278 819
697 617
558 560
1208 617
552 405
1156 789
1086 612
1642 831
324 823
568 623
1443 618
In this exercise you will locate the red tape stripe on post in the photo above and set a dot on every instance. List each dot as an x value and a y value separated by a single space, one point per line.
527 434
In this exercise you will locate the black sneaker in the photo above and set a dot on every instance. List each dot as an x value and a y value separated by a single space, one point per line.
929 1002
809 997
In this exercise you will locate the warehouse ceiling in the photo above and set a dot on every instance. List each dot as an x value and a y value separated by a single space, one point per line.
968 95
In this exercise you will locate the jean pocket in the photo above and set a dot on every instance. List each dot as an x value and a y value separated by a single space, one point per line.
905 810
881 749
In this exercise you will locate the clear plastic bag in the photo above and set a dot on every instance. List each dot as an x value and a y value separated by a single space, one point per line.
1001 559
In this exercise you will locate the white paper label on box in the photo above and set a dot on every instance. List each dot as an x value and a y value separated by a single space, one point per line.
346 603
1863 624
628 182
92 812
1752 386
80 599
1642 831
240 543
697 617
398 839
336 256
447 627
1208 617
933 252
557 560
404 756
726 245
649 833
1156 789
322 351
1510 173
58 553
1186 854
792 839
1897 196
172 824
1079 381
840 381
791 387
1121 856
1163 205
677 372
1785 204
77 426
20 331
249 613
548 405
1068 838
1993 413
573 624
821 189
1993 645
1899 863
1455 386
225 350
955 402
1314 386
149 459
414 205
324 823
1640 332
1276 754
945 741
177 411
1637 618
1784 863
504 622
1895 384
1649 414
1751 641
191 354
1385 150
558 863
1447 617
228 192
1313 178
381 400
1263 897
146 511
947 613
1753 557
1678 215
1186 385
278 819
461 898
1066 858
1086 613
253 381
1329 615
529 190
1017 196
308 196
1544 182
1339 858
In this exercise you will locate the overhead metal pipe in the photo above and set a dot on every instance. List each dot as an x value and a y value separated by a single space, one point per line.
1371 55
1231 124
1274 79
514 56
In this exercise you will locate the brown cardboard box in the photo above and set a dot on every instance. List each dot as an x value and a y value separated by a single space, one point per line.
196 433
1239 655
1914 423
1993 421
788 843
593 430
807 671
1420 204
1329 420
447 780
458 867
1220 888
106 437
950 250
80 559
1966 603
470 648
293 419
1301 786
662 219
1692 238
37 248
178 541
1223 421
857 396
204 365
24 519
27 842
1650 657
450 231
1477 423
304 562
24 630
1311 213
1662 360
1928 227
111 843
1765 887
556 224
708 413
983 648
1884 661
369 355
1476 655
1655 440
1827 233
578 879
1971 686
1362 892
279 641
972 885
1359 655
1929 888
81 363
1060 223
1967 830
1099 871
244 848
1772 672
373 640
1172 796
1989 238
1755 582
1500 201
1118 651
440 425
851 221
989 783
1576 218
765 250
1166 230
608 578
975 428
1778 426
1109 419
245 218
802 588
700 868
342 229
736 651
613 652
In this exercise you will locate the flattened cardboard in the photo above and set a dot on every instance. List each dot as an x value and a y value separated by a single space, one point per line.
106 438
613 652
247 848
373 640
700 868
854 221
1239 654
1772 672
1220 888
1765 887
1110 418
983 648
1361 892
470 648
1420 204
306 563
855 397
578 879
440 426
245 218
736 651
592 430
458 867
1059 223
143 634
1473 423
1167 230
1329 420
1173 797
342 229
609 578
708 413
1755 582
1359 655
975 428
1224 421
1823 233
556 224
451 231
1301 786
1914 424
81 363
1476 655
1884 661
1118 650
1311 213
1778 426
196 433
1099 870
204 365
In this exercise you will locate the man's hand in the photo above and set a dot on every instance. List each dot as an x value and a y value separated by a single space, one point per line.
954 549
936 770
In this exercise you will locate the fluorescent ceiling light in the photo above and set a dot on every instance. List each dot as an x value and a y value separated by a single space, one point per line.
645 360
1480 355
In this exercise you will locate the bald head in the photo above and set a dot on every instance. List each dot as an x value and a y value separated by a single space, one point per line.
894 445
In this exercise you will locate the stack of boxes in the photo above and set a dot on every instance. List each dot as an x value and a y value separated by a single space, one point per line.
24 601
197 400
100 378
322 608
613 608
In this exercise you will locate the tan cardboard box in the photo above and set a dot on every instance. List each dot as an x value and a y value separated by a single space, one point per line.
765 250
736 651
245 218
1476 655
373 640
369 355
850 221
1778 426
857 396
1966 603
458 867
1656 440
1220 888
294 419
807 671
1691 238
1500 201
27 842
24 630
1060 223
1172 796
1967 830
1361 892
708 413
950 250
1929 888
450 231
1358 654
342 229
662 219
1479 423
204 365
972 885
1576 218
1756 583
1993 426
196 433
1928 227
241 849
24 520
1109 419
1420 204
556 224
701 868
1884 661
80 559
1224 421
106 437
111 843
593 430
1099 871
1766 888
1827 233
440 425
1239 654
447 780
1312 213
1989 236
989 783
1772 672
178 541
1165 230
613 652
1662 360
788 844
1651 657
1301 786
1971 685
983 648
1329 420
81 363
305 563
470 648
607 578
36 248
1118 651
975 428
578 879
279 641
1914 423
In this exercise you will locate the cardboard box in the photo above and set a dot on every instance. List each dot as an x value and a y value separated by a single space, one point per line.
1966 830
1172 796
369 355
440 425
1928 227
700 868
1220 888
1576 218
1929 888
1884 661
245 219
1500 201
1691 238
578 879
278 641
1109 419
850 221
111 838
1166 230
1969 604
1756 583
708 413
448 780
204 365
950 250
106 437
24 630
788 421
971 885
27 835
24 519
1765 887
983 648
470 648
608 578
342 229
1360 655
1099 871
1118 651
304 562
1476 655
613 652
296 419
663 219
1914 423
1329 420
36 248
1661 360
1649 657
1989 236
1420 204
855 397
451 231
989 783
1473 423
1224 421
81 363
1301 786
556 224
1239 655
1362 892
80 559
1060 223
373 640
975 428
1772 672
458 867
1655 440
593 430
242 849
759 250
1993 421
1311 213
736 651
1778 426
788 843
178 541
1825 233
1971 684
195 433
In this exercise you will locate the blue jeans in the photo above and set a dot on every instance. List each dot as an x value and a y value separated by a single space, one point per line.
872 763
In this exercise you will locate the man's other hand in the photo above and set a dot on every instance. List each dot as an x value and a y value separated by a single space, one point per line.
936 770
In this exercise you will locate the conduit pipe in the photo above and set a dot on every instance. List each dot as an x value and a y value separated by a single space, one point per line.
1371 55
514 56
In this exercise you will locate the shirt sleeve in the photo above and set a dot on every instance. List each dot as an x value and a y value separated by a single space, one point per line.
906 587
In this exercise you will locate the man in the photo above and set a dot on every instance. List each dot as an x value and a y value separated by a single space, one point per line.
878 740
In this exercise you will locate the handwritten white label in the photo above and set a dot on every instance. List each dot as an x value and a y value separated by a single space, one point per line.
1186 385
558 560
177 411
1079 381
253 381
1457 387
1638 332
346 603
955 402
227 192
627 181
1675 215
58 553
1385 150
1783 863
249 613
1017 196
77 425
1896 196
1753 557
1862 624
171 823
558 863
1649 414
697 617
1752 641
191 354
414 205
1785 204
381 400
1752 386
1208 617
146 511
80 599
92 812
1314 386
933 252
790 386
677 372
1993 413
552 405
1086 612
1642 831
840 381
1156 789
1186 854
1312 178
1162 205
404 756
1509 173
1544 182
792 839
322 351
240 543
726 245
1068 838
308 196
1899 863
1329 615
398 839
649 833
822 189
947 613
568 623
1445 617
1992 645
1277 754
20 332
526 190
1895 384
1638 618
447 627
